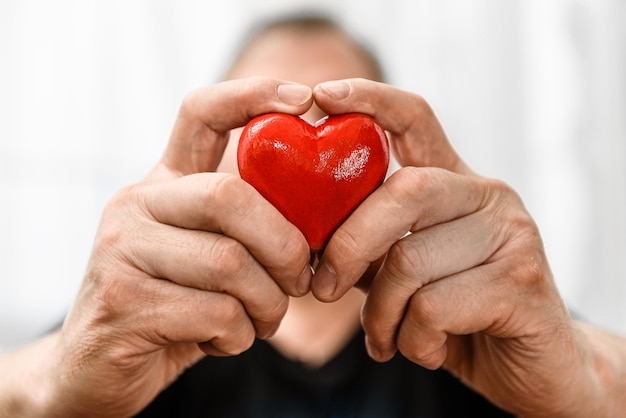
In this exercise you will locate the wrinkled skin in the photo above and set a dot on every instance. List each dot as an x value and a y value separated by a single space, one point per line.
469 288
191 262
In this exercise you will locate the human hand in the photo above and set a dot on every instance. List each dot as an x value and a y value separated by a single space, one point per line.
465 283
186 262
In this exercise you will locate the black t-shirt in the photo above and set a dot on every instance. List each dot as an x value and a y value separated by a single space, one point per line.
262 383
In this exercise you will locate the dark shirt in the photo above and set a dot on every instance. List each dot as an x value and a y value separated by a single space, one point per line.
262 383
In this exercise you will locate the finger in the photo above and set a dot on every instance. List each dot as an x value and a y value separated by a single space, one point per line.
417 137
163 313
499 299
200 132
413 263
422 335
214 262
410 200
225 204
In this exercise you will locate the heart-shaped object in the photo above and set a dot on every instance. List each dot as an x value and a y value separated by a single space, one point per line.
314 174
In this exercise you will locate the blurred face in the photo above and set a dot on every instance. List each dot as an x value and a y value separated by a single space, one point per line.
307 59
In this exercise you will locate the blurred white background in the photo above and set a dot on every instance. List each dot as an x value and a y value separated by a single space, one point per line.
532 91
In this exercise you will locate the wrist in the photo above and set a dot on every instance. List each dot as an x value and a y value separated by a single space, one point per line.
604 373
25 387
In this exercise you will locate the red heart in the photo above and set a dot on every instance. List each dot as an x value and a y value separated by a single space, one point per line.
315 175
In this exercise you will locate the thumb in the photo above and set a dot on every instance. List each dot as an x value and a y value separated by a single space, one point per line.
416 136
206 116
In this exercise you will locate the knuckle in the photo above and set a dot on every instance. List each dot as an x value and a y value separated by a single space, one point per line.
525 264
378 329
528 272
227 257
423 114
271 316
422 356
127 200
424 311
420 102
113 266
422 342
277 311
190 103
412 350
110 236
346 244
220 188
522 229
409 174
412 183
119 225
293 249
501 194
421 110
502 187
231 193
114 296
421 106
228 192
121 201
290 253
246 341
231 314
235 333
253 89
406 259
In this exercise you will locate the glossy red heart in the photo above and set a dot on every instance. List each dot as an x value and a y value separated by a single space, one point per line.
315 175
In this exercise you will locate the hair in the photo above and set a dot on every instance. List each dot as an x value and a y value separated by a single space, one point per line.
306 23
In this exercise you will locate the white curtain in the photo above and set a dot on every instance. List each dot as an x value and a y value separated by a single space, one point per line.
533 92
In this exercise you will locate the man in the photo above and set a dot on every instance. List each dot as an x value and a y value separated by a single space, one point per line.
193 261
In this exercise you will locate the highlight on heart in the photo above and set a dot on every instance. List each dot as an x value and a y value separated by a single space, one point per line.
314 174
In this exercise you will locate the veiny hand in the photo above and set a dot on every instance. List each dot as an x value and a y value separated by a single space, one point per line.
186 262
465 283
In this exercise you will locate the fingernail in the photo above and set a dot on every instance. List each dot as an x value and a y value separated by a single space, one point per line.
325 281
303 283
336 89
294 94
